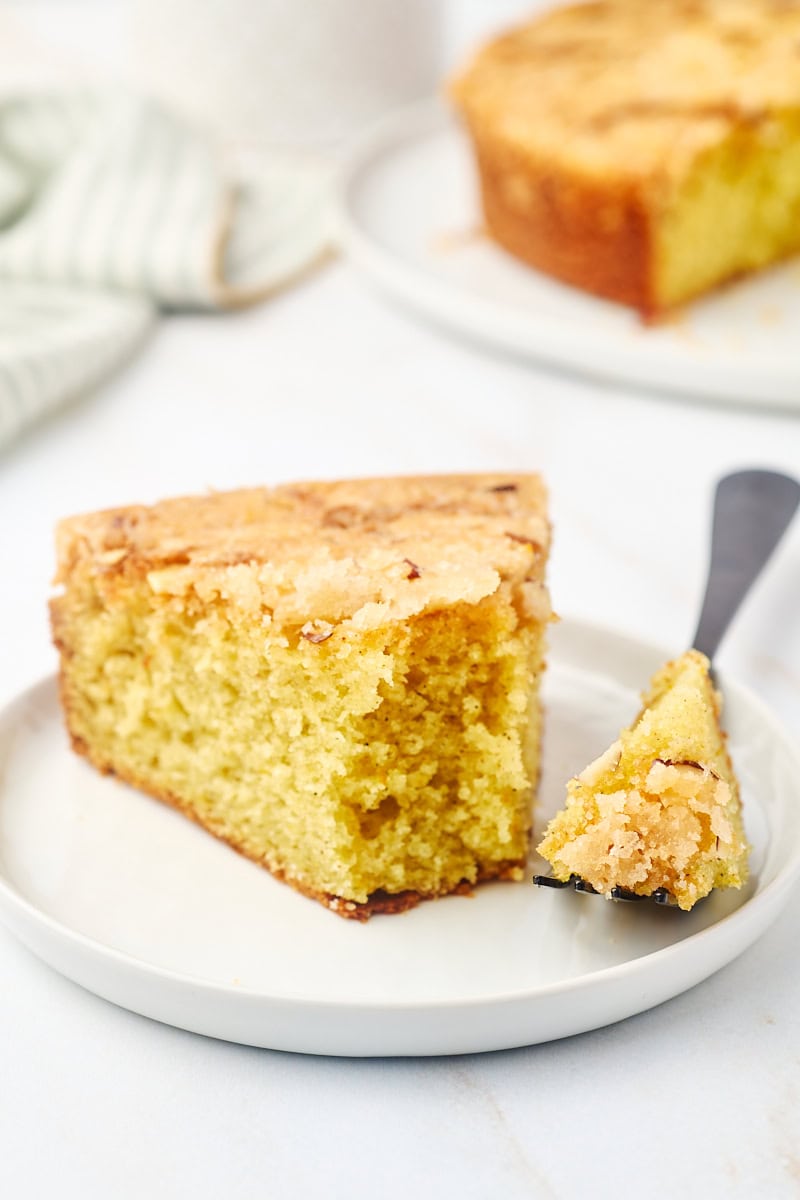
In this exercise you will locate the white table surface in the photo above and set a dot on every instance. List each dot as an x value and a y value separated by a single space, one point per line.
697 1098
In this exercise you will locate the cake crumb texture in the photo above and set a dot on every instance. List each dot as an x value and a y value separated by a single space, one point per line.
660 808
340 680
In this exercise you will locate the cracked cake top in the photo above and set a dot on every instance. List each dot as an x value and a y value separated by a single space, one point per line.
361 551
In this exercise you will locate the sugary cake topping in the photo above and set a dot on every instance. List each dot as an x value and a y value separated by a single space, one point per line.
361 551
653 834
635 86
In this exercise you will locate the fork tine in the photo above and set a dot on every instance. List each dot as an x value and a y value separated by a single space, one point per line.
660 896
621 893
549 881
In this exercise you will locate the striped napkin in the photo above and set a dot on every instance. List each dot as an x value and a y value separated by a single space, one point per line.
111 209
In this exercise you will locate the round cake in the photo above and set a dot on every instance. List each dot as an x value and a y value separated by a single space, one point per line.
643 152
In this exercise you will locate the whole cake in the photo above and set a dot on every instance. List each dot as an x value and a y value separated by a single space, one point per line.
338 679
660 808
646 152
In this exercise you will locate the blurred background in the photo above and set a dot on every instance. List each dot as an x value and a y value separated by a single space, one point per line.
244 64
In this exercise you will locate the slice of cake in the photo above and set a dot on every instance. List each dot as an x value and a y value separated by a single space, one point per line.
644 152
660 808
338 679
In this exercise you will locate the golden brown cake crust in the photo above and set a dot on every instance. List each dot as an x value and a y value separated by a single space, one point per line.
353 553
253 525
557 229
587 118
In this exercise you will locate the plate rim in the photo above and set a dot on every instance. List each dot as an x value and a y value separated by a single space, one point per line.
548 340
575 983
756 912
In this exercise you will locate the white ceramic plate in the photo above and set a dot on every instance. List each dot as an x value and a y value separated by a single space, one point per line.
408 214
131 900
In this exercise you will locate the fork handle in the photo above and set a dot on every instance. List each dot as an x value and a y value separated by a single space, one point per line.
752 509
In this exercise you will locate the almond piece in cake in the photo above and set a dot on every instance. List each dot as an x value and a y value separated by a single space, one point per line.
660 808
643 152
338 679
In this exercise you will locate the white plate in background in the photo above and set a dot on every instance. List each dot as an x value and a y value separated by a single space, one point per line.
408 215
131 900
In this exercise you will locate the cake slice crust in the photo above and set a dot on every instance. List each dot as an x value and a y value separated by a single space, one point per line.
660 808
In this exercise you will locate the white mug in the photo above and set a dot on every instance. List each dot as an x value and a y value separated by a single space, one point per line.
289 73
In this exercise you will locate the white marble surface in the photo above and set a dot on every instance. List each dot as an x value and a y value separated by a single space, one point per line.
698 1098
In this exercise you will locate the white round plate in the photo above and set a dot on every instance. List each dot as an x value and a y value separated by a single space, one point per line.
130 899
408 214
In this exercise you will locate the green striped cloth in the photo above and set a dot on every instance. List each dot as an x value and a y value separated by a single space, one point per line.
111 209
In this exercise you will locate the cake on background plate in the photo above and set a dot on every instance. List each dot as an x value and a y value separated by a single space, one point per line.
338 679
661 807
645 152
